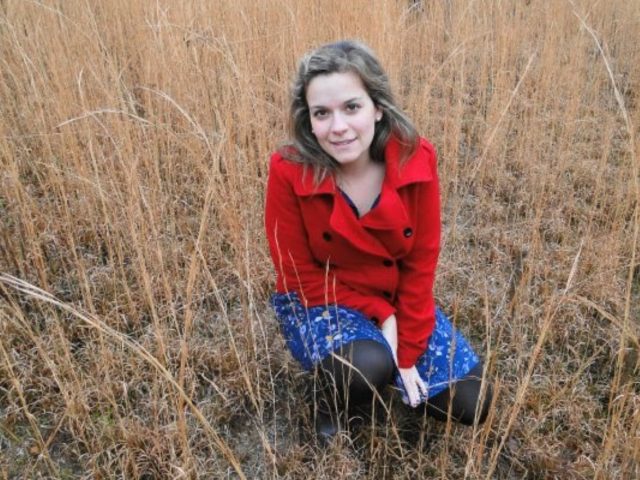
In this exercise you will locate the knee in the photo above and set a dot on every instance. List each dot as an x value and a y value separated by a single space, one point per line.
472 402
372 366
365 366
477 407
466 401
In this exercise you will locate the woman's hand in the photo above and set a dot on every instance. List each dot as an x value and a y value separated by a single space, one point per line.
413 385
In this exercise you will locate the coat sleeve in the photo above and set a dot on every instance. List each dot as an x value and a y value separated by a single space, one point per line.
415 304
294 263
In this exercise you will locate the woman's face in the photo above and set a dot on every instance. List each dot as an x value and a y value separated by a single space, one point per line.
343 117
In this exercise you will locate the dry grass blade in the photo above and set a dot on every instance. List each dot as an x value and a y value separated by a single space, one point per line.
104 110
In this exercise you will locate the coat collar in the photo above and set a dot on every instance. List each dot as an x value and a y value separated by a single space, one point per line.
416 169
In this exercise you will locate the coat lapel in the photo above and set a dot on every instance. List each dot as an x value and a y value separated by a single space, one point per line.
391 212
349 226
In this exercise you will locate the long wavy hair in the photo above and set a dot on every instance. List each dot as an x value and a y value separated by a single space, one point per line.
341 57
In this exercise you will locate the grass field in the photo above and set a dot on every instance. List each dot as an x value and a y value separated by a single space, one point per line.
136 337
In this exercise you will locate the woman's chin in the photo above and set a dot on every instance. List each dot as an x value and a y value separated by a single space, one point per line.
345 159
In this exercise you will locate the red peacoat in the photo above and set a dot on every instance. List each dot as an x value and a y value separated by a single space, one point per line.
380 264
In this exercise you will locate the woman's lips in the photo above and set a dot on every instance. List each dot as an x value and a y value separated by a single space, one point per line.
343 142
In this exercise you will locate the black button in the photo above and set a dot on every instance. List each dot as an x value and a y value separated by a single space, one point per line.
375 319
387 294
326 236
387 263
407 232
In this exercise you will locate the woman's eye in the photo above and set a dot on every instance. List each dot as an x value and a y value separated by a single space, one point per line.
320 113
352 107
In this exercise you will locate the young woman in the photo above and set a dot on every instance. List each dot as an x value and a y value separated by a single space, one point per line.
353 222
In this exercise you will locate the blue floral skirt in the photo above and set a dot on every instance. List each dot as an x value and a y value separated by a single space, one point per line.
314 333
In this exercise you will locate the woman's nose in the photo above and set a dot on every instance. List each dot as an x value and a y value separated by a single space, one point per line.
338 124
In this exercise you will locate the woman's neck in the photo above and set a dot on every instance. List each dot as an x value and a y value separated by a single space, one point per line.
353 172
363 186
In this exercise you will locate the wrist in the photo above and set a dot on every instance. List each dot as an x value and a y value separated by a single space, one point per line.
390 333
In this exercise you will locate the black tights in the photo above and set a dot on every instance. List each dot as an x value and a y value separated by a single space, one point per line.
374 367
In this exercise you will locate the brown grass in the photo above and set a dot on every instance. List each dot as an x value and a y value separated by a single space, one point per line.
136 339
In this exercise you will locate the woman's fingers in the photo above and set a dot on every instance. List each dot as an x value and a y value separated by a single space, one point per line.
419 389
423 388
413 394
404 374
413 385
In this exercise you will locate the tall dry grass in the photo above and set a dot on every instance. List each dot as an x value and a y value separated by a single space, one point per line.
136 339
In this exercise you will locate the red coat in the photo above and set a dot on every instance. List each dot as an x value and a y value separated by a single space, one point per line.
379 264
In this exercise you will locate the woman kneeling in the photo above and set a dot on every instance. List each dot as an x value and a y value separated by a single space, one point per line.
353 222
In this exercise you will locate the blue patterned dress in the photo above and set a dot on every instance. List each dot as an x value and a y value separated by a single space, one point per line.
313 333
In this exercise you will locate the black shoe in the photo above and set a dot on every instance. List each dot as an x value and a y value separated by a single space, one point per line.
327 425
